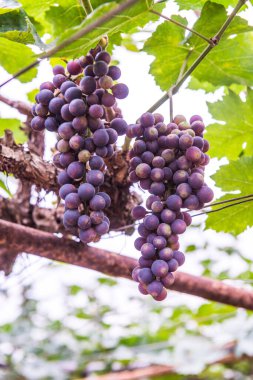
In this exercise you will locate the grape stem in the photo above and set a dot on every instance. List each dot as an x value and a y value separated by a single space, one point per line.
195 64
86 4
223 208
76 36
208 40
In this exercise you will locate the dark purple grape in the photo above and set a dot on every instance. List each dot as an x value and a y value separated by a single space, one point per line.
180 176
157 188
206 146
199 142
97 203
168 174
103 56
86 192
66 159
185 141
151 222
47 86
84 222
138 243
88 71
106 198
178 119
100 138
205 194
168 216
63 178
120 126
157 174
113 135
159 268
151 237
145 263
77 107
108 100
178 226
164 230
166 254
120 90
174 202
192 202
142 289
157 206
183 163
168 280
80 123
158 162
72 93
173 265
63 146
152 146
45 96
66 85
87 236
147 157
195 118
196 180
144 183
150 134
76 170
88 85
76 142
162 129
172 141
168 155
147 120
138 212
159 242
55 105
74 67
65 113
66 131
193 154
41 110
95 177
161 296
155 288
67 189
105 82
96 111
184 190
92 99
114 72
102 228
180 257
187 218
143 170
145 276
58 69
38 123
135 273
151 199
100 68
148 251
58 79
71 217
72 201
198 127
96 162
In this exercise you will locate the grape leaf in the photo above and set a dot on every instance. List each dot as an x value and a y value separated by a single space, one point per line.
195 84
236 176
14 26
128 21
14 56
166 45
226 140
14 126
8 5
197 4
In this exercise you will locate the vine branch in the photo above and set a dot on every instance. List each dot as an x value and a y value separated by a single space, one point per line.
87 6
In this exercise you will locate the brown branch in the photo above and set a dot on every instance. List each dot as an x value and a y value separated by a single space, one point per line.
24 239
22 107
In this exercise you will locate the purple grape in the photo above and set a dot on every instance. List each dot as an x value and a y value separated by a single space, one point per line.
150 134
157 206
96 163
143 170
95 177
150 200
133 177
74 67
174 202
138 212
58 69
113 135
205 194
84 222
45 96
63 146
168 155
184 190
47 86
87 236
168 216
97 203
66 85
41 110
55 105
198 127
158 162
152 146
172 141
120 90
142 289
193 154
187 218
76 142
38 123
159 268
63 178
72 93
168 280
58 79
164 230
173 265
157 188
183 163
159 242
180 176
103 56
72 201
77 107
138 243
66 189
88 71
92 99
105 82
96 111
151 222
144 183
145 263
192 202
119 125
66 131
114 72
139 147
145 276
66 159
206 146
102 228
162 129
71 217
80 123
143 232
151 237
157 174
195 118
147 120
106 198
108 100
178 226
180 257
86 192
161 296
135 273
65 113
147 157
76 170
100 68
166 254
185 142
155 288
199 142
196 180
148 251
100 138
88 85
168 174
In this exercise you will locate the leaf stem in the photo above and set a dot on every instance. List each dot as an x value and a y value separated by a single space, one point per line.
229 200
208 40
223 208
195 64
87 6
97 23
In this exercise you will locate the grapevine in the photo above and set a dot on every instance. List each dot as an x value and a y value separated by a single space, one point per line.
80 105
168 161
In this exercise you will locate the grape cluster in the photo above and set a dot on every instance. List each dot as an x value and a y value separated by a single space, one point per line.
168 161
76 105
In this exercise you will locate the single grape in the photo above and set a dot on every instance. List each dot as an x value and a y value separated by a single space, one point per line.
80 123
87 236
86 192
72 93
100 138
119 125
173 265
102 228
74 67
159 242
138 212
114 72
106 198
108 100
100 68
178 226
157 188
151 222
166 254
44 96
58 79
205 194
160 268
77 107
76 142
97 203
71 217
72 201
66 189
88 85
120 90
147 120
84 222
76 170
168 280
145 276
63 178
65 113
66 159
168 216
138 243
55 105
47 86
155 288
164 230
174 202
95 177
38 123
148 251
66 85
184 190
66 131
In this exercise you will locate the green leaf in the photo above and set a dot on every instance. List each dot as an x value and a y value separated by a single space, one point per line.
195 84
75 289
8 6
236 176
4 187
107 281
166 45
14 126
14 56
31 95
128 21
227 140
14 26
197 4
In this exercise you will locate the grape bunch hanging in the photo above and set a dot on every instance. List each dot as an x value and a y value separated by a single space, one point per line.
168 161
76 105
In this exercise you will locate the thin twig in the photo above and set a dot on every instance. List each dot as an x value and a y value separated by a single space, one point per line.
208 40
87 6
223 208
195 64
229 200
97 23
